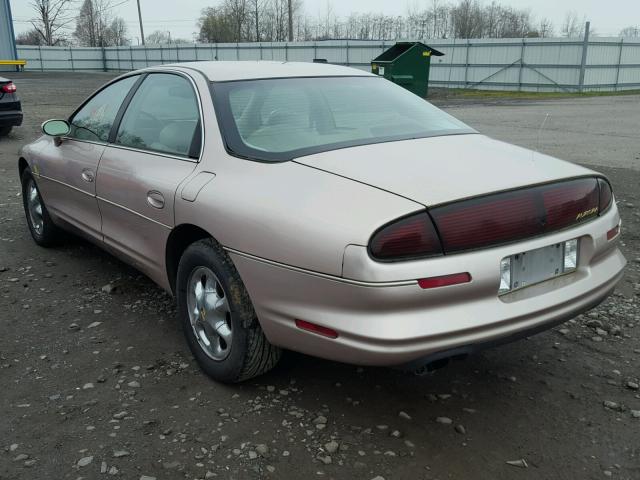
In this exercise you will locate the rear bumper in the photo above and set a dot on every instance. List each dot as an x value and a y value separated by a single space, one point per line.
10 118
393 321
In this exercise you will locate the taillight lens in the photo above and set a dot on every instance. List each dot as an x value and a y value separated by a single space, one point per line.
9 87
606 195
510 216
410 237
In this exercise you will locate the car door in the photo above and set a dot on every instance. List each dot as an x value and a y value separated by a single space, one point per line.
156 146
66 169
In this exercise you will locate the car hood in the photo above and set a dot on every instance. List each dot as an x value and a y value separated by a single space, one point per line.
437 170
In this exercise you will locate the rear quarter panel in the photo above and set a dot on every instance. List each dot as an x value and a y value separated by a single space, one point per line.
289 213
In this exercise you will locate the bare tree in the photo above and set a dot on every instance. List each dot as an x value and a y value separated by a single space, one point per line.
117 33
632 31
52 18
267 20
545 28
256 12
215 26
467 19
30 37
96 27
572 26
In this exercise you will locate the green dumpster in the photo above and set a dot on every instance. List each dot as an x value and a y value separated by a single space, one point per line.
407 64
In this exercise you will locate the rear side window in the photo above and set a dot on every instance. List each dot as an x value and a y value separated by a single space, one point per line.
94 120
163 116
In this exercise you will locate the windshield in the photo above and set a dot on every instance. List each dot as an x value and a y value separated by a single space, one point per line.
284 118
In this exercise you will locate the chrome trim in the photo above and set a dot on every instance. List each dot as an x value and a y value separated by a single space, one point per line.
152 152
103 144
134 212
66 185
399 283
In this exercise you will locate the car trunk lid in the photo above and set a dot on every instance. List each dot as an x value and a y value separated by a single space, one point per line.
438 170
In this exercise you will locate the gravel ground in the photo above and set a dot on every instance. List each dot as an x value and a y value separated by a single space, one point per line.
98 382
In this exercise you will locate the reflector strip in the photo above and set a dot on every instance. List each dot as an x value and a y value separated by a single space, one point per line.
613 233
320 330
444 280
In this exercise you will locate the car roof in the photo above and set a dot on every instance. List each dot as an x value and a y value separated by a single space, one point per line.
220 71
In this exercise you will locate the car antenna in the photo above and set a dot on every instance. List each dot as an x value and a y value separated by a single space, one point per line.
540 132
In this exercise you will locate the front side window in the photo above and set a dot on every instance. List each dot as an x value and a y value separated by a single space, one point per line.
94 120
280 119
163 116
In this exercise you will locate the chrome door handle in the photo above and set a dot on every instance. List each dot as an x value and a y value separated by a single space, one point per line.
155 199
87 176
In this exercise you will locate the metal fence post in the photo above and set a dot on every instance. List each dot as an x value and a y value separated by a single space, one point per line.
237 51
71 58
347 53
618 66
104 60
161 56
466 63
40 57
521 66
286 52
131 56
583 63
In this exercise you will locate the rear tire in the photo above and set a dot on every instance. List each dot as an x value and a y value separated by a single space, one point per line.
4 131
44 232
218 319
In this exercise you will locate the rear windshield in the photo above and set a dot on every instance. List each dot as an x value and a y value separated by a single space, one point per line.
284 118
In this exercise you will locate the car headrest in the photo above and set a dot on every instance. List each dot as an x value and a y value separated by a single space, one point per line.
177 136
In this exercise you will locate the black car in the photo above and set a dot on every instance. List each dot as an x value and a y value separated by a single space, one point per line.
10 109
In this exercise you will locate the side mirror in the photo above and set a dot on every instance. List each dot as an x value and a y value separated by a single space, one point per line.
56 128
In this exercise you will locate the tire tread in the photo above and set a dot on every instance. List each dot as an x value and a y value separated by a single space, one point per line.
260 356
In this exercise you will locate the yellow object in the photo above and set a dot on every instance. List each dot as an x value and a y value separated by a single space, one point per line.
19 63
426 54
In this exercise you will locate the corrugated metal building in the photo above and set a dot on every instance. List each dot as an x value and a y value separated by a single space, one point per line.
7 39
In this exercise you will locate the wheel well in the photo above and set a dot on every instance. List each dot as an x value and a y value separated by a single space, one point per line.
180 238
22 166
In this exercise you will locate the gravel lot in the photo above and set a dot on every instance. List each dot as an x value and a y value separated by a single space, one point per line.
97 378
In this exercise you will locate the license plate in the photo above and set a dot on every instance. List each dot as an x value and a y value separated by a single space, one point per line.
536 266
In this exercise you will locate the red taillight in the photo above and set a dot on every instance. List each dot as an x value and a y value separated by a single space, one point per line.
485 221
410 237
606 195
444 280
319 329
570 202
510 216
613 233
8 87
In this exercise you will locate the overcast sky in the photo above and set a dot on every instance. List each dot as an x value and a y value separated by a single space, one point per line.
180 17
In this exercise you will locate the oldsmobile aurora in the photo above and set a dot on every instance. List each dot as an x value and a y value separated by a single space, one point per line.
321 209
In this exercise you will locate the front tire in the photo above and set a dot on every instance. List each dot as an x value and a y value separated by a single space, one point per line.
44 232
218 319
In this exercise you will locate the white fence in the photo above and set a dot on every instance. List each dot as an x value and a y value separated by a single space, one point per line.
549 64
